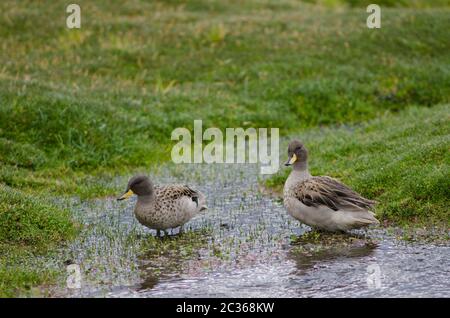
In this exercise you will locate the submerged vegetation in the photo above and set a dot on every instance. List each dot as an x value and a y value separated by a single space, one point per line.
78 107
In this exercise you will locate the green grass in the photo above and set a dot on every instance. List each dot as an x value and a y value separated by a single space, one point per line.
25 219
78 107
402 161
383 3
104 99
21 271
29 228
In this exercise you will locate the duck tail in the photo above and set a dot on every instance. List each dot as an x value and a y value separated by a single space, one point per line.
367 218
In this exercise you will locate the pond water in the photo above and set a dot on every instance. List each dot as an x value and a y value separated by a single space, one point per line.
244 245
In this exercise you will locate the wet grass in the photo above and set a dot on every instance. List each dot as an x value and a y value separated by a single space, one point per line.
29 228
27 220
401 161
23 268
115 251
161 257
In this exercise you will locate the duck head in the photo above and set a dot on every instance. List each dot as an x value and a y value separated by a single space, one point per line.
139 185
297 155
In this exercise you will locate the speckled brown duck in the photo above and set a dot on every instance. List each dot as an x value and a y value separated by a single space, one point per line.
322 202
163 207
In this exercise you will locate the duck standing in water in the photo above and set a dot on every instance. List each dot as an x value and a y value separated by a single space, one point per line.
322 202
164 207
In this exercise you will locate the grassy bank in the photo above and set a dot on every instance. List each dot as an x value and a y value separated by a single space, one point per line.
29 228
78 107
402 161
105 98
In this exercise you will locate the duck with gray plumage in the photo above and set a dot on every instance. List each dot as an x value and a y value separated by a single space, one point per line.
322 202
163 207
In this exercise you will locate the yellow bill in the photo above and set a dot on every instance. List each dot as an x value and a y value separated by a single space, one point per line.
293 159
126 195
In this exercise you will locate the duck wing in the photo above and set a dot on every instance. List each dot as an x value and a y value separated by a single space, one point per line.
176 192
327 191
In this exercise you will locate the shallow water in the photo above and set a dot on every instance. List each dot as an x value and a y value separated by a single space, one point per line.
245 245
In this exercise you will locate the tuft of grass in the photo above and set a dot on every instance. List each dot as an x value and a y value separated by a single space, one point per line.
18 277
383 3
402 161
165 254
29 228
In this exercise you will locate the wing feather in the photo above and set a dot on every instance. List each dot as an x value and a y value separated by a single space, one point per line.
327 191
175 192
